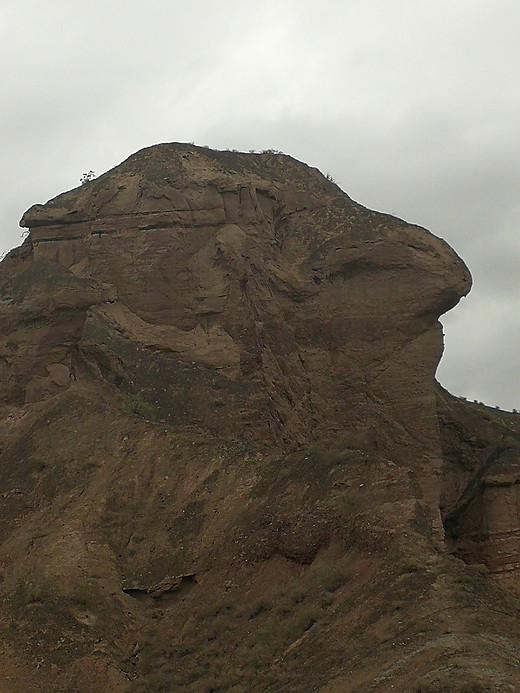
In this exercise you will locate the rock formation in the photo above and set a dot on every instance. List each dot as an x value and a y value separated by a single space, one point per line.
226 463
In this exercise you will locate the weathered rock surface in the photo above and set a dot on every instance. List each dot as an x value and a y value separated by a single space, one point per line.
226 463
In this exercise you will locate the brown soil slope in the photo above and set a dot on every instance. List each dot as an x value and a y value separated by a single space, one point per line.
225 464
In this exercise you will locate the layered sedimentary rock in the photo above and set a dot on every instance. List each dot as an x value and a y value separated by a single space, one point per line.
226 460
480 501
260 267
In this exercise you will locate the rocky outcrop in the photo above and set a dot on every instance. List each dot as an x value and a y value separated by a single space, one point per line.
480 503
259 266
217 366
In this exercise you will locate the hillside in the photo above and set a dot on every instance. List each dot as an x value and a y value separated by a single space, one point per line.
225 462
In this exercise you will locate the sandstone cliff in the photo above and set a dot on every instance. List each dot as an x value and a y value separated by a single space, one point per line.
226 464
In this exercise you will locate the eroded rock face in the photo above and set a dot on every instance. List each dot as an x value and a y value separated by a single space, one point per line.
488 529
258 266
480 502
222 430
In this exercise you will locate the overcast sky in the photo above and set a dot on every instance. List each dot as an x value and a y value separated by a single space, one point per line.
413 106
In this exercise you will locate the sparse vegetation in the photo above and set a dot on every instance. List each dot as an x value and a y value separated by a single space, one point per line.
411 564
87 177
135 403
258 633
259 606
332 576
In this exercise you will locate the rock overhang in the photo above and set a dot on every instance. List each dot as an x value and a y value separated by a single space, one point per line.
263 257
180 185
